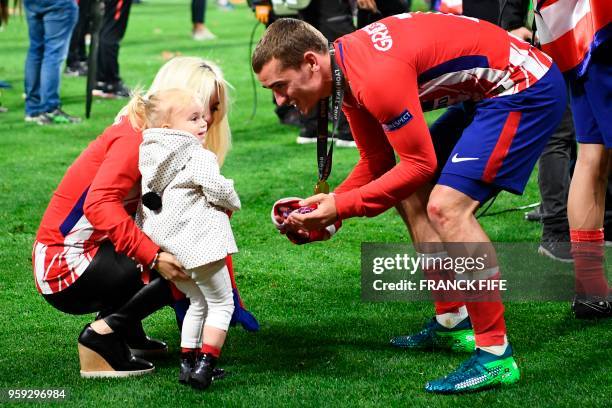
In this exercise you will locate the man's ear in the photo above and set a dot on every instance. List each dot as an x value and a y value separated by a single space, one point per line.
312 59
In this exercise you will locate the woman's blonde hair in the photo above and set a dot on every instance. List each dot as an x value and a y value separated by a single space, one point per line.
203 78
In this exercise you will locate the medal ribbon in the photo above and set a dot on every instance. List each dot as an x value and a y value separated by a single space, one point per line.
324 157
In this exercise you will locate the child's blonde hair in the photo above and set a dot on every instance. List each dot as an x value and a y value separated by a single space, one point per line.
203 78
157 109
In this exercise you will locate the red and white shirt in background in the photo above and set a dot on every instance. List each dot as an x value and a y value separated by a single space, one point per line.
570 30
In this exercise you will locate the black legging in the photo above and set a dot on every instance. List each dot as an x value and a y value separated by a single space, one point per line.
114 24
77 51
334 19
198 11
112 286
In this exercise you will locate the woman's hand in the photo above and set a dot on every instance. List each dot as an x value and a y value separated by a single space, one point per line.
170 268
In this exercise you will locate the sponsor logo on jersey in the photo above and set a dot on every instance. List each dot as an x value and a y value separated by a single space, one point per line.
379 34
398 122
457 159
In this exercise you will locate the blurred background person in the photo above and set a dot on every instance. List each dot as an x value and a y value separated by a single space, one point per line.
265 14
334 18
554 174
225 5
4 13
456 6
76 63
198 17
50 24
114 24
579 38
369 11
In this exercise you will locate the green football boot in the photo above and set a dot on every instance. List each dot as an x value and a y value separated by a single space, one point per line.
435 336
483 370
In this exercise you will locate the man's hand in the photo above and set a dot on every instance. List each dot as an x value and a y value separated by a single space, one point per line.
523 33
170 268
262 13
294 230
369 5
324 215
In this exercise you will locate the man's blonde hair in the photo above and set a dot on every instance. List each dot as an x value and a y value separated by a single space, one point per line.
203 78
287 39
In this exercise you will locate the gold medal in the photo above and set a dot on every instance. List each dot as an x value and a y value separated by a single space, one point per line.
321 187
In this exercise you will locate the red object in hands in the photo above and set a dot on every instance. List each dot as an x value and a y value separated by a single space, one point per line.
285 206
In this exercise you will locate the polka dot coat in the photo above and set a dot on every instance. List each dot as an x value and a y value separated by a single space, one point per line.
191 223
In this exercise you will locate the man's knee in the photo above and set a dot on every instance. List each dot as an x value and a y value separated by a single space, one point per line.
593 164
446 208
440 213
594 158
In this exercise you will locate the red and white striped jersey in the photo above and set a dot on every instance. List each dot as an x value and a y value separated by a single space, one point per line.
403 65
570 30
93 203
453 58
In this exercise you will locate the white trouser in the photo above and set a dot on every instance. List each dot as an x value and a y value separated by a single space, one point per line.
209 290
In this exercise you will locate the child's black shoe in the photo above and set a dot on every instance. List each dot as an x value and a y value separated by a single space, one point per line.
187 362
202 375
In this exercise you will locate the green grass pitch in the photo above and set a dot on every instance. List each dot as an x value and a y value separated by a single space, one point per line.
319 344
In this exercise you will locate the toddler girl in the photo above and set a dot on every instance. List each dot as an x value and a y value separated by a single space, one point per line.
184 204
